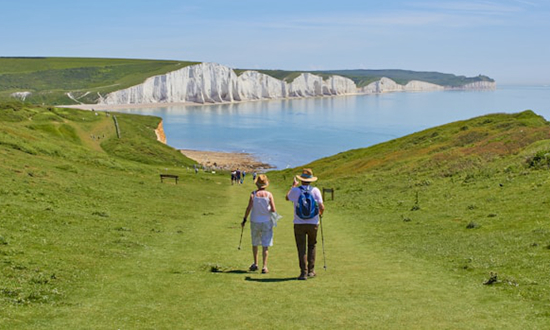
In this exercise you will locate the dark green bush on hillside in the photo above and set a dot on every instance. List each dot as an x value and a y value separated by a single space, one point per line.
541 160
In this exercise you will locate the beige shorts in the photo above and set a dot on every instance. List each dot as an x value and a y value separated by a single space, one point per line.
262 233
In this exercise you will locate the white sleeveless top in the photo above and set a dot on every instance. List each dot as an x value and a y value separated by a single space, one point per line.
261 209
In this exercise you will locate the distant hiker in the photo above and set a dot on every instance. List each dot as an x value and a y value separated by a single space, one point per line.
260 207
308 207
254 176
233 177
238 177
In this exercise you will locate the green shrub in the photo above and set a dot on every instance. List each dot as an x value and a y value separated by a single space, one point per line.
540 160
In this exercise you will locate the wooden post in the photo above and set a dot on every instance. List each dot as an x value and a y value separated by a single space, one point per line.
328 190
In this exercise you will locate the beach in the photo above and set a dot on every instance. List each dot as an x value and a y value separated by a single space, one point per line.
226 160
114 107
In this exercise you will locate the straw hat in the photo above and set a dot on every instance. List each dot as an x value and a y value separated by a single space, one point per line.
261 181
306 176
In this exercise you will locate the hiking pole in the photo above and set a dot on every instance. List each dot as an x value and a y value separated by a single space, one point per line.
323 242
242 230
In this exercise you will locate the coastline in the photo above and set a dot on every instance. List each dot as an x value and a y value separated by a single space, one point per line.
215 160
114 107
227 161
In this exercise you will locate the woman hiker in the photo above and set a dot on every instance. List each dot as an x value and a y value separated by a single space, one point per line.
260 206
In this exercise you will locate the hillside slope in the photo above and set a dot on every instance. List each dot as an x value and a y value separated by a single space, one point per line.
446 150
90 237
50 80
471 196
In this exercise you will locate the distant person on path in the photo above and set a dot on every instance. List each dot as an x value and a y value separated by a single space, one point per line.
306 226
260 206
238 177
233 177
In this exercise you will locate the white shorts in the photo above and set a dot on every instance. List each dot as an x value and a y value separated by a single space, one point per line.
262 233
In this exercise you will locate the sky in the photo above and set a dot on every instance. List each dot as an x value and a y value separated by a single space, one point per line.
507 40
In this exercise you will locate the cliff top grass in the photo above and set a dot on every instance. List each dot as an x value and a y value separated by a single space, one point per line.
446 230
49 79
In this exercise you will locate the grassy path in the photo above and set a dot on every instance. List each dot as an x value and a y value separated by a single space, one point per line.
90 239
168 283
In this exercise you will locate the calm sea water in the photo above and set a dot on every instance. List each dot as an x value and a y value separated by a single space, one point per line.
289 133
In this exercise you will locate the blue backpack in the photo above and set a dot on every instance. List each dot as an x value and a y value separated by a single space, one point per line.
307 207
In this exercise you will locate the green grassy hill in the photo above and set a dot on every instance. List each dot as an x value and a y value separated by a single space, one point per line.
445 228
50 79
470 197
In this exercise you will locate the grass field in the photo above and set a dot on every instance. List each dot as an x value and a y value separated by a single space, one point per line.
91 239
50 79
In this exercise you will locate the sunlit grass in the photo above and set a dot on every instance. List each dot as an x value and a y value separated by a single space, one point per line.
90 238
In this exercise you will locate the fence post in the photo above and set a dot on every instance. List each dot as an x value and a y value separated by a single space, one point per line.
328 190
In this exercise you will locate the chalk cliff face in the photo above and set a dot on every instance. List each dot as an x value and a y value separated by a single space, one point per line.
21 95
215 83
252 85
478 85
386 85
200 83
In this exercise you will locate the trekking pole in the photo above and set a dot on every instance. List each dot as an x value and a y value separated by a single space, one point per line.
242 230
323 242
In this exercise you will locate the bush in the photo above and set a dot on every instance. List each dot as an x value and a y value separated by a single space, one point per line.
540 160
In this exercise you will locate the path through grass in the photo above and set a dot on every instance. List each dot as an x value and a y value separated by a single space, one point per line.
165 278
93 241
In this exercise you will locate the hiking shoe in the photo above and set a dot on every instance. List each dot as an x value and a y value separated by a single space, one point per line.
311 274
302 277
265 271
253 268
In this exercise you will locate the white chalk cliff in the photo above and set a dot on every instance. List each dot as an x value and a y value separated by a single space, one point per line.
215 83
385 85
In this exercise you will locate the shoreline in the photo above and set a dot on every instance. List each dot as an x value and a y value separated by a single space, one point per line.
214 160
226 161
113 107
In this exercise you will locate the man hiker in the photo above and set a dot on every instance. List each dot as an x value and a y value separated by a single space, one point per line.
308 207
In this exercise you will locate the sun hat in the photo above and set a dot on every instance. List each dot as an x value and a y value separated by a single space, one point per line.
261 181
306 176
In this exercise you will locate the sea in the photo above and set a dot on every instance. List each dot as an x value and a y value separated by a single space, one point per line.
294 132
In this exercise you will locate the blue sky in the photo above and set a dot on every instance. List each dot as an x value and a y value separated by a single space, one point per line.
508 40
